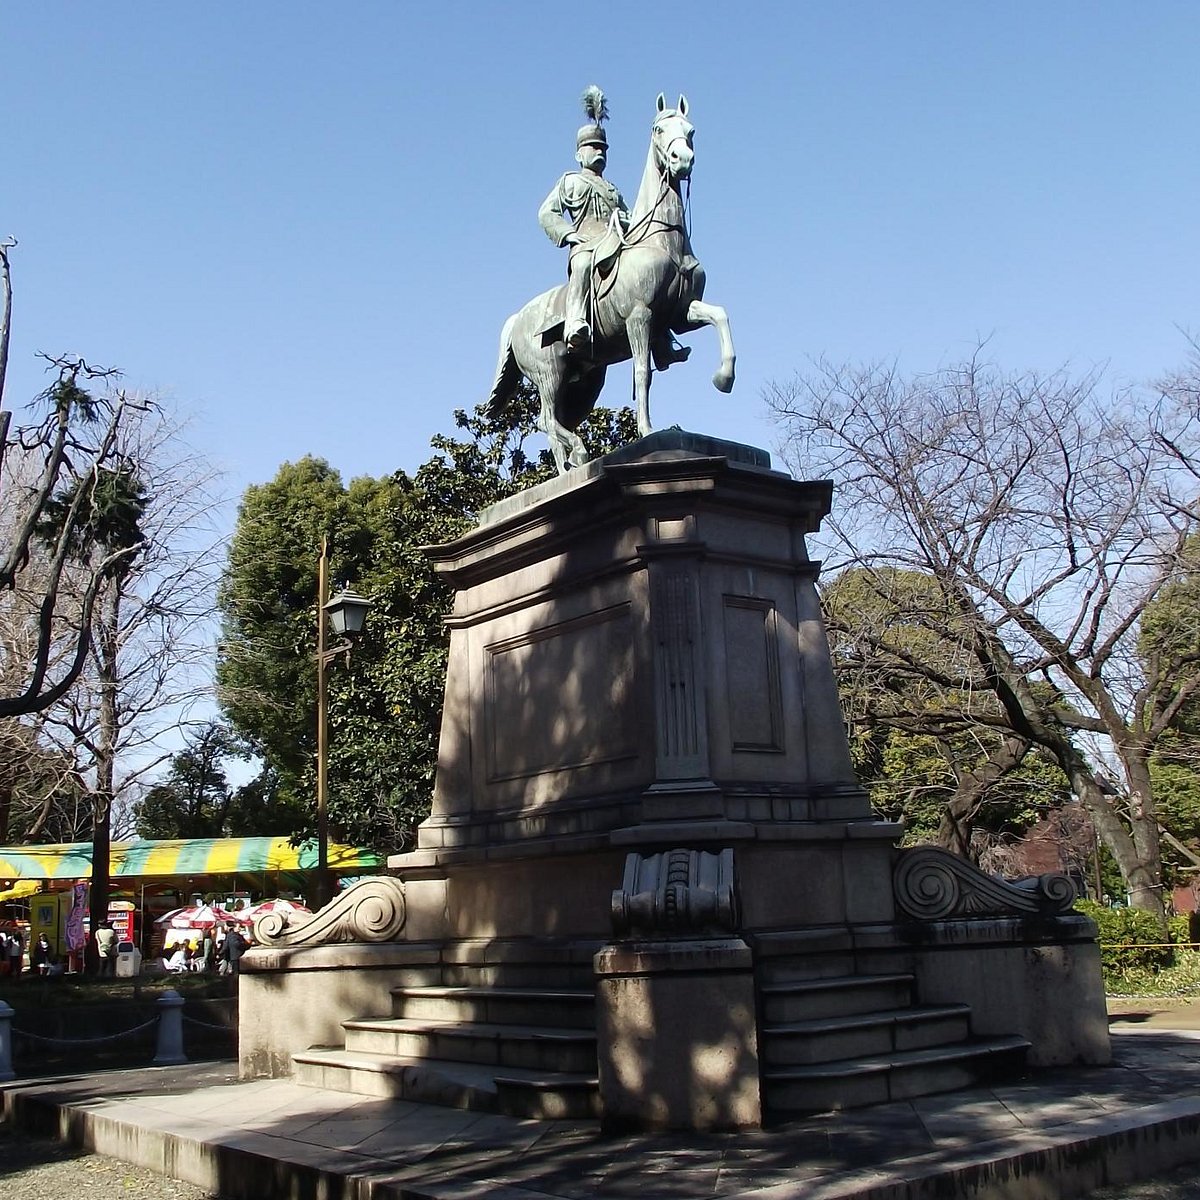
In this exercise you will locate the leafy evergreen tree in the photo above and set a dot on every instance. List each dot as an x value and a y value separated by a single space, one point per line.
385 702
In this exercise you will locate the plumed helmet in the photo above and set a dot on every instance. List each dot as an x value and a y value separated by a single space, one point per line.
591 135
596 108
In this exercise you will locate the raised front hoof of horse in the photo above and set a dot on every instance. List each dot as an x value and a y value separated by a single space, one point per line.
723 380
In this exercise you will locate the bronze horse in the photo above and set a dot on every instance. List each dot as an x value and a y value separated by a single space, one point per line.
646 285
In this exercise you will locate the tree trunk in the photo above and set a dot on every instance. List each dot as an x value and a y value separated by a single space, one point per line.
957 821
1145 885
106 641
6 795
1136 849
1141 870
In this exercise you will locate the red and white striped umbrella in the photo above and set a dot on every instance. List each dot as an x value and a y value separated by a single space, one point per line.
198 916
267 906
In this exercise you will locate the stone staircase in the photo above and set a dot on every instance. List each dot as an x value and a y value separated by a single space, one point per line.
509 1037
836 1041
512 1035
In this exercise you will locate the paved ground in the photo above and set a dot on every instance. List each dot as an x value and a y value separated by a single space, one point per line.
1165 1012
1058 1134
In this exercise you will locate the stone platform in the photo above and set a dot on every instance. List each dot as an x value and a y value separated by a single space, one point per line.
1048 1135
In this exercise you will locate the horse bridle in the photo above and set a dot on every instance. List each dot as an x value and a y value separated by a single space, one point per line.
626 237
637 233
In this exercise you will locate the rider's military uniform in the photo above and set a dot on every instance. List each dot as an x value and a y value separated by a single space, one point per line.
580 203
583 203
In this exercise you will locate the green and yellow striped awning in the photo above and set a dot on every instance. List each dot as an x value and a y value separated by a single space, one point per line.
180 856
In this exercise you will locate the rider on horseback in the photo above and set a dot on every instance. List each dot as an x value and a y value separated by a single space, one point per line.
578 213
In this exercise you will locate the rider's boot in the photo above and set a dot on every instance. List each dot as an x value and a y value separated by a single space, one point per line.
578 335
666 350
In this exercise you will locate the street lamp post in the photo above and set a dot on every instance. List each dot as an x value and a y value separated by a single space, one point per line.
345 613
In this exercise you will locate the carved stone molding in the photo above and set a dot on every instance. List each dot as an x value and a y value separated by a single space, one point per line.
371 910
678 893
678 692
933 885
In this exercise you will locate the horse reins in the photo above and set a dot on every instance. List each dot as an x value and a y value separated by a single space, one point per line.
640 230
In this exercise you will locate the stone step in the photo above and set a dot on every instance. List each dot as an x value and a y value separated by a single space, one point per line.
855 1082
539 976
527 1047
782 956
497 1006
513 1092
834 996
828 1039
425 975
798 969
552 1097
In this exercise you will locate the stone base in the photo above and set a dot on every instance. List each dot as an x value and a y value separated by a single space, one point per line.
289 1000
1036 977
677 1035
790 875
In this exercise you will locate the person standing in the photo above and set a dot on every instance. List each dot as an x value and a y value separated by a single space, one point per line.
106 948
41 956
16 952
232 950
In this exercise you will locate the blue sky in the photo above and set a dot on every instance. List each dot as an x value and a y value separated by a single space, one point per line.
307 222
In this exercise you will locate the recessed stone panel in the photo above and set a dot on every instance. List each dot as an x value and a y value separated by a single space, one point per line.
561 696
752 675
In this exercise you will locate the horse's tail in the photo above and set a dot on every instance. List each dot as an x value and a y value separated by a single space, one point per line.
508 374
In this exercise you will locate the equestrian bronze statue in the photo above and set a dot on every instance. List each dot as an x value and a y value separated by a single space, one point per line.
634 282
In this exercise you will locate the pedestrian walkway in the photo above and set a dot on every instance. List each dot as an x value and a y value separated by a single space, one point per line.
1056 1133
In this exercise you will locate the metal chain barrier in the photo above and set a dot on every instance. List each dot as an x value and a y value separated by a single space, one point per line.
168 1040
95 1041
206 1024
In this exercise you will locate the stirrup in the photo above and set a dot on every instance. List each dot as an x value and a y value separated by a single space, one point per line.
666 356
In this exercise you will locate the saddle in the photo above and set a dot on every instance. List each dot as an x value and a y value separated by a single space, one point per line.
606 255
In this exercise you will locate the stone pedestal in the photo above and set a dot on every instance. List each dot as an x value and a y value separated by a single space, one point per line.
645 811
638 659
677 1035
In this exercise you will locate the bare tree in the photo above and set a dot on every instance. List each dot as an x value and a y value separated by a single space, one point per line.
148 662
5 326
66 449
1047 516
107 565
41 797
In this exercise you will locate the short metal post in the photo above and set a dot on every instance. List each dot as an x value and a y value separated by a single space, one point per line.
6 1016
169 1050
